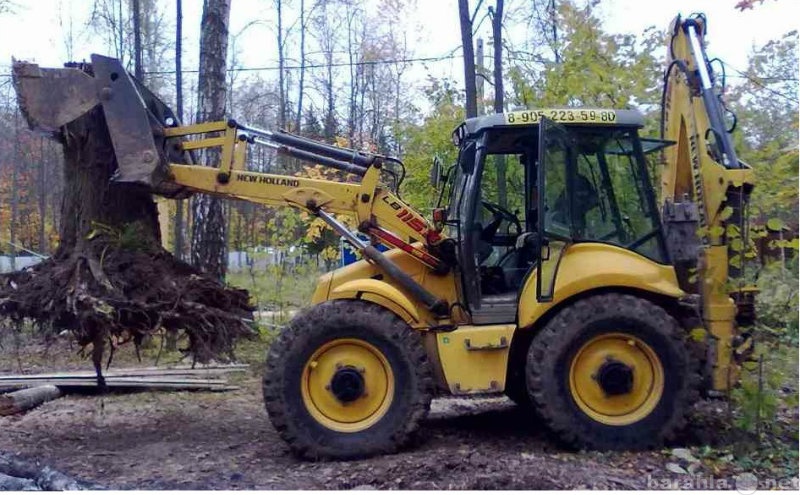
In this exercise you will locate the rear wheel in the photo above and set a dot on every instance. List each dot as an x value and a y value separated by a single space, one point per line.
347 379
613 372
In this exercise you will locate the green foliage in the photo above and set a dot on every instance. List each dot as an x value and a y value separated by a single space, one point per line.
776 304
269 294
423 142
756 398
134 236
767 99
767 109
772 458
776 194
767 388
595 68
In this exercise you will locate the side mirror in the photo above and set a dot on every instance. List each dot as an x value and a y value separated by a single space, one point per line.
436 173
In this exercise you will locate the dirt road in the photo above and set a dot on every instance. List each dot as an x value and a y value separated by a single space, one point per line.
157 440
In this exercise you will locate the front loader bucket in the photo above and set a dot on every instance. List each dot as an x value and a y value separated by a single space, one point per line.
135 117
51 98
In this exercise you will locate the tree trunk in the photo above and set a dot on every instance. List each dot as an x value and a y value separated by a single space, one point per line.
301 79
281 63
90 200
178 248
171 339
208 233
480 77
497 34
12 230
327 45
138 67
554 27
354 76
42 197
469 58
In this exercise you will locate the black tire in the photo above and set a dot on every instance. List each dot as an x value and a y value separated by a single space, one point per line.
516 385
517 391
347 319
552 353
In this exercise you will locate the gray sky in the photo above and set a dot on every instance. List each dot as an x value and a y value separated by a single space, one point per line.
38 29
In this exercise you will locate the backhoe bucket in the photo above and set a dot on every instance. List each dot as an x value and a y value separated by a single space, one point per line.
135 117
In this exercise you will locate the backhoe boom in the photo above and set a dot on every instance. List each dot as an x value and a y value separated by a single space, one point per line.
705 188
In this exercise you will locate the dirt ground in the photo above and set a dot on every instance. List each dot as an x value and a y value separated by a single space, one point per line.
203 440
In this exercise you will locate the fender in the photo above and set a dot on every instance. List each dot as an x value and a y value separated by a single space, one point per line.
381 293
588 266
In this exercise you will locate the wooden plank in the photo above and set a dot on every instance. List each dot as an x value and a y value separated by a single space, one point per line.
121 381
130 372
151 385
91 374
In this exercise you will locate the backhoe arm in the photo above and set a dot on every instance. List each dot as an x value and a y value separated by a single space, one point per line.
705 188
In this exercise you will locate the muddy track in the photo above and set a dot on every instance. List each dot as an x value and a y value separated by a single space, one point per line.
225 441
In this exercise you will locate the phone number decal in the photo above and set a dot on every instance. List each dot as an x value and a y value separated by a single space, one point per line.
576 116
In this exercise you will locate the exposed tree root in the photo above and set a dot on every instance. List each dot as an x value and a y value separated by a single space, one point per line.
107 294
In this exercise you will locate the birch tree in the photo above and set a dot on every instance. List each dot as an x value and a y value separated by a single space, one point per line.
209 251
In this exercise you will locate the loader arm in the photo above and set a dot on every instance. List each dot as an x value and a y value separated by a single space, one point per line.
378 211
705 189
153 150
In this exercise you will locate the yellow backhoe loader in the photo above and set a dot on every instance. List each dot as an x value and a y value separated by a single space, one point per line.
549 271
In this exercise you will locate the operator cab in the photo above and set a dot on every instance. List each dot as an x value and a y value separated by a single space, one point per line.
529 184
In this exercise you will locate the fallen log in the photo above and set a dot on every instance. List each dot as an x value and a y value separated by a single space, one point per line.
14 484
42 478
25 399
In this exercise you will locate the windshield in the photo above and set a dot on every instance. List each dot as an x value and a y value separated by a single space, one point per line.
611 196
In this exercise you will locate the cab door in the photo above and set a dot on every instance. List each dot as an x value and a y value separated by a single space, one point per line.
554 226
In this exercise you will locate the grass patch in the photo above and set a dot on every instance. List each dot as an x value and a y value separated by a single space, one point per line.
278 288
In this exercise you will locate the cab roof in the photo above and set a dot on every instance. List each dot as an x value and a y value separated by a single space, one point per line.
563 116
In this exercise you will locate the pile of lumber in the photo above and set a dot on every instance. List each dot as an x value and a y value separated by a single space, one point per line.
50 386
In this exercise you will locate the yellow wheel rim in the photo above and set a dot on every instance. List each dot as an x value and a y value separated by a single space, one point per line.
354 356
605 402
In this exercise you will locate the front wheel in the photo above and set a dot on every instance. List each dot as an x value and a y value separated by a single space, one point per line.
347 379
612 372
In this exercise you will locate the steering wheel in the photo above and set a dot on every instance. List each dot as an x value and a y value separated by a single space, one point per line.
504 214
